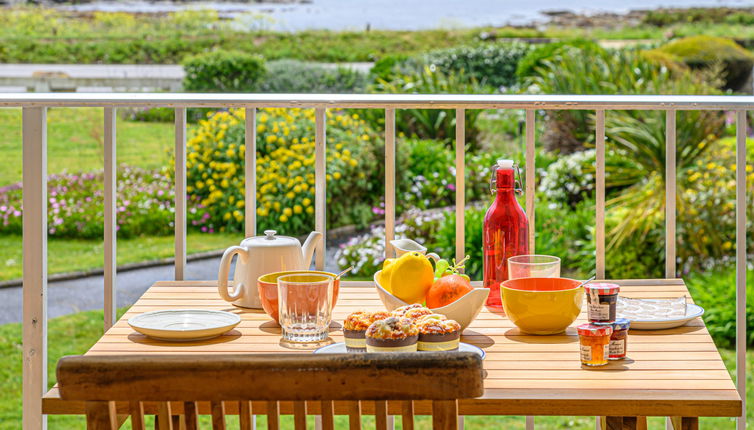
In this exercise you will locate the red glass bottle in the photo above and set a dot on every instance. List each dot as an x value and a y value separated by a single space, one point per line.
506 231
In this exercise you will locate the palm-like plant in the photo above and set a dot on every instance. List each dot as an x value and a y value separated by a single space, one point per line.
636 135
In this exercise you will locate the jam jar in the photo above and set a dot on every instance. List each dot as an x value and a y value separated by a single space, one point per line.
595 344
602 301
619 338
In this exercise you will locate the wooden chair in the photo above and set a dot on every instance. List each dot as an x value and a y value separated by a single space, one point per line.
172 381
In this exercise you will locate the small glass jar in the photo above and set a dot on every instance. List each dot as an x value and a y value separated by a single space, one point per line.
602 301
619 338
595 344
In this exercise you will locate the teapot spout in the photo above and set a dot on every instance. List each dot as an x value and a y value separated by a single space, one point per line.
310 245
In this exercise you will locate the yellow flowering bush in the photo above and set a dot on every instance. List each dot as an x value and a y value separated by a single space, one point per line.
707 203
285 170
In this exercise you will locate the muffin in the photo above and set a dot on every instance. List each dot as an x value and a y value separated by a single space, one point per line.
392 334
355 326
415 314
401 311
437 333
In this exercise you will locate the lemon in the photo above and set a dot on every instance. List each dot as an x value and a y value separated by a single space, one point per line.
387 270
408 277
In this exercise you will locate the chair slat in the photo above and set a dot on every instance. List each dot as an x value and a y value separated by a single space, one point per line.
245 416
354 415
328 415
179 422
163 420
192 418
407 413
380 414
273 416
445 415
101 416
136 409
218 415
299 415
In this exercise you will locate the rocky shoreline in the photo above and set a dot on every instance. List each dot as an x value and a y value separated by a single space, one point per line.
568 19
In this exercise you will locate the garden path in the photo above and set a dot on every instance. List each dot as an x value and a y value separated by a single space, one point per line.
86 293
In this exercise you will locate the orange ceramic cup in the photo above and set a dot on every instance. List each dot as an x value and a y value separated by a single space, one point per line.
268 289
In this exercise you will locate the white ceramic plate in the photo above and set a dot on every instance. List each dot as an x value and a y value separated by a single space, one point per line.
692 311
340 348
184 325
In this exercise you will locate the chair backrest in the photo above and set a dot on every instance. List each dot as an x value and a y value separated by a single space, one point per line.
171 386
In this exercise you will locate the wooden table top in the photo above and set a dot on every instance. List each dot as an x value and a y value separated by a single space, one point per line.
675 372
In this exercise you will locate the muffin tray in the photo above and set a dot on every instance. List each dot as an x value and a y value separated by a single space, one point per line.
340 348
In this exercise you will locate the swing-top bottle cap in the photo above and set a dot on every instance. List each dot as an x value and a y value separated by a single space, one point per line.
504 164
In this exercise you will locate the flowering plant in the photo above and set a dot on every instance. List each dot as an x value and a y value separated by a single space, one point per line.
285 170
144 204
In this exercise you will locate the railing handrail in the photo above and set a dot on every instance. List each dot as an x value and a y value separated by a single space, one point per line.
379 101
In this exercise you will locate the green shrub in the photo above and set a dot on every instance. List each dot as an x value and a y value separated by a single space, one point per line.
223 71
537 56
158 114
615 72
285 171
426 174
715 291
567 233
444 242
291 76
666 17
703 52
571 178
488 64
385 68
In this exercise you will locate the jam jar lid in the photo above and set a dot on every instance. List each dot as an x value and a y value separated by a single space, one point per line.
594 330
618 324
602 288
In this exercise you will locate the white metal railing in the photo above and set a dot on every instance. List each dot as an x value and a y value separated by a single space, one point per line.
35 190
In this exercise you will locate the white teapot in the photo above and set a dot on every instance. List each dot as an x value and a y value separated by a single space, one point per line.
259 256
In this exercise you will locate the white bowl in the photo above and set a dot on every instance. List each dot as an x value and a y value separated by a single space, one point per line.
463 310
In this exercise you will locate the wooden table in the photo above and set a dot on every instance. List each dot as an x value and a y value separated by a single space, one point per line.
676 372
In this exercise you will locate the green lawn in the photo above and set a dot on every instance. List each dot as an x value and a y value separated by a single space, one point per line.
75 142
74 334
69 255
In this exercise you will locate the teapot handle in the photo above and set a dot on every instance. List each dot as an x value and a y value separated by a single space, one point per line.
222 276
433 256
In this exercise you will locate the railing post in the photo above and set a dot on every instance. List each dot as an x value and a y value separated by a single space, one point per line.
460 184
389 180
530 181
530 161
599 232
180 194
250 173
741 124
320 184
35 266
670 193
110 218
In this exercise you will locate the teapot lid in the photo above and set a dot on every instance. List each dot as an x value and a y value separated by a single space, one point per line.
271 239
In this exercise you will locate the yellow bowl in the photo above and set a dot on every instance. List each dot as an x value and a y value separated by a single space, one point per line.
542 305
